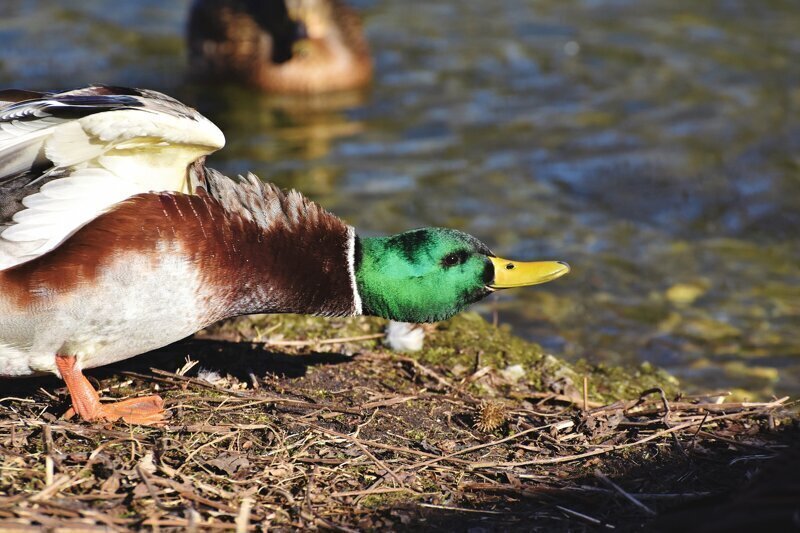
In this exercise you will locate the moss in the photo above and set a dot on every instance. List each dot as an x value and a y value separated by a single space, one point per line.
416 435
466 341
609 383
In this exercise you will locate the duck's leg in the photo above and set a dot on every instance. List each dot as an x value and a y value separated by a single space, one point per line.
148 410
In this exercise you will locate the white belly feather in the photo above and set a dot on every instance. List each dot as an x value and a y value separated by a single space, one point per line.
135 305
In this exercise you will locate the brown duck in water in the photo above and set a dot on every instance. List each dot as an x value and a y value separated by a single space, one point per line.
283 46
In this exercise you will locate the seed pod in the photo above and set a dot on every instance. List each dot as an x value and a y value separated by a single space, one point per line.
491 415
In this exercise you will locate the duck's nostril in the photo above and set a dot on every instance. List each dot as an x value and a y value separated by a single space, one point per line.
510 266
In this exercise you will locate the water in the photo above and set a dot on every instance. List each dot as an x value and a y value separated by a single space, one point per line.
654 145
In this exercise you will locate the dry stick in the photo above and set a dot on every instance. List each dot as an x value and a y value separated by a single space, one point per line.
664 401
244 395
361 446
14 398
197 450
585 393
368 492
586 517
473 448
185 524
602 477
740 444
180 489
55 485
413 362
639 495
537 490
458 509
546 396
388 402
699 428
712 407
80 431
243 518
616 447
375 444
49 470
152 491
378 461
50 490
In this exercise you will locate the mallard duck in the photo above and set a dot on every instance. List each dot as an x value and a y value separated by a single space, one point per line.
291 46
116 239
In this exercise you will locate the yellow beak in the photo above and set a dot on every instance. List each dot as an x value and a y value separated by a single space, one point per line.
508 274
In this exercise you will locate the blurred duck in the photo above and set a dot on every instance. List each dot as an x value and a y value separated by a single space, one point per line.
282 46
115 239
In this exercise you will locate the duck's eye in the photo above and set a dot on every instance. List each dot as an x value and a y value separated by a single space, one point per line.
454 259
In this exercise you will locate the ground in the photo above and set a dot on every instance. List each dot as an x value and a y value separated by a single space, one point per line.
288 422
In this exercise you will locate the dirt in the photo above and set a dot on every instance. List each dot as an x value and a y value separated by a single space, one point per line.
275 424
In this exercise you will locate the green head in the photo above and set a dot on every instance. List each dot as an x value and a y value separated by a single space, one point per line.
430 274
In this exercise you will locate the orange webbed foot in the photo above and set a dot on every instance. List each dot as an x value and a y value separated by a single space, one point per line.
147 411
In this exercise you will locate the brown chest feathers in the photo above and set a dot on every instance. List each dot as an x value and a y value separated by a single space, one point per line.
264 252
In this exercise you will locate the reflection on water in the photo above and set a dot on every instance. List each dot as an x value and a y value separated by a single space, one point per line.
655 145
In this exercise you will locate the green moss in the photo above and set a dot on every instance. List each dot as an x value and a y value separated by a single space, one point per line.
609 383
416 435
466 341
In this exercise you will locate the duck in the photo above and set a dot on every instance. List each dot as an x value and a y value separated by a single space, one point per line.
116 239
279 46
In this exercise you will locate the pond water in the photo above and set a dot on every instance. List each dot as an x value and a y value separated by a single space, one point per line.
652 144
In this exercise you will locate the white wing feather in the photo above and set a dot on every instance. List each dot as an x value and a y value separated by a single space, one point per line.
59 208
105 157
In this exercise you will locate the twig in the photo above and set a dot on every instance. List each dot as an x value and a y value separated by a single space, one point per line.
449 456
586 517
699 428
152 491
375 444
243 518
199 448
15 399
664 401
602 477
367 492
459 509
377 461
585 393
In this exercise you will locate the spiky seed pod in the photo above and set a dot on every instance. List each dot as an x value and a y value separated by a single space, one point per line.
491 415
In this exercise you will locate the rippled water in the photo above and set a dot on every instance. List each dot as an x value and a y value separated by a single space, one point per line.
655 145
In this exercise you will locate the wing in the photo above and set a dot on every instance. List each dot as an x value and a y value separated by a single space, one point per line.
67 157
